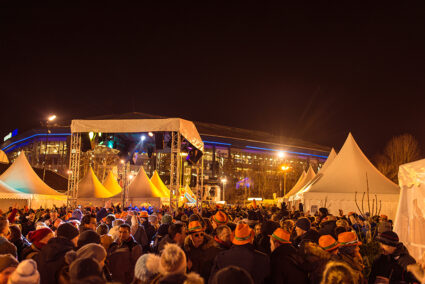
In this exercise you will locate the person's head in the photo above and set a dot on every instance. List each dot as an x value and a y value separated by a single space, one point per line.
147 268
89 222
302 226
40 237
173 260
88 237
31 217
278 238
349 243
54 215
4 226
224 233
8 264
117 222
15 233
232 275
197 233
338 273
177 232
257 229
68 231
220 218
25 273
323 212
388 242
84 267
95 251
287 225
167 219
243 235
329 244
102 229
124 232
109 219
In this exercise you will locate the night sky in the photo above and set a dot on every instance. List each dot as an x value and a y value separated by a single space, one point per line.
311 70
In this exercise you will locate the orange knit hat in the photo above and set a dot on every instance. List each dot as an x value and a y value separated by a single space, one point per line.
328 243
243 234
348 239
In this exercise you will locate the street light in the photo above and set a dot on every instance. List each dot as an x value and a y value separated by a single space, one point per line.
49 119
224 180
285 170
281 154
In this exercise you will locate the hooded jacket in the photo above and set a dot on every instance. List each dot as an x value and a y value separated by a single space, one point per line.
286 265
51 259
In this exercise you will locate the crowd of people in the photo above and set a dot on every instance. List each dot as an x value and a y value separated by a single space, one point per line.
218 245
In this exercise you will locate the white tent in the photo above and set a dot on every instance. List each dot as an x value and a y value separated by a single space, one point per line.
410 218
22 177
345 176
329 160
307 178
142 187
3 157
91 187
297 184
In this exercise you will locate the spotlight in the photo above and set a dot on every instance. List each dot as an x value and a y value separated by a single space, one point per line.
143 138
150 134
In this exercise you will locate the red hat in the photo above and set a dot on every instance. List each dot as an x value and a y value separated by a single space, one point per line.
36 236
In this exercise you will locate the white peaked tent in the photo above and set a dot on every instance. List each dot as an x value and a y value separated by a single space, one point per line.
307 178
410 218
329 160
22 177
343 177
142 187
297 184
91 187
3 157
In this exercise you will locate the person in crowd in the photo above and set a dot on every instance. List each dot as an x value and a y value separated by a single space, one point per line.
220 218
28 224
176 235
285 264
146 268
323 213
138 231
391 265
287 225
6 246
88 237
16 238
349 252
173 266
76 215
263 241
338 272
54 221
105 239
223 237
109 220
149 229
200 250
162 231
84 268
8 264
327 226
25 273
51 258
122 256
114 232
38 239
232 275
244 255
88 222
304 232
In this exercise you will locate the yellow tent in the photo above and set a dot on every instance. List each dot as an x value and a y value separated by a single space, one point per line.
112 184
91 187
156 180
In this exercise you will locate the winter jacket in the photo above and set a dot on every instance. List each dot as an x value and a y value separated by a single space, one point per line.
27 227
202 257
51 259
150 230
286 265
328 228
7 247
165 240
394 266
246 257
30 252
177 278
122 259
310 236
20 245
315 260
355 264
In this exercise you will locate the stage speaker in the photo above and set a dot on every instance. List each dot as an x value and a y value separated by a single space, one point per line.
159 140
193 156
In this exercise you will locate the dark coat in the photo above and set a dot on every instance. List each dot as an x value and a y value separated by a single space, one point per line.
51 259
165 240
393 266
7 247
20 245
176 278
141 238
30 252
122 259
150 230
286 266
315 260
310 236
246 257
202 257
27 227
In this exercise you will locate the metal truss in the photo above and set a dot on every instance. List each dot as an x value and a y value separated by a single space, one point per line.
175 169
74 170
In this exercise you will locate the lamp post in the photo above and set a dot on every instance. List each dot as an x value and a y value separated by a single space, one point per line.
49 119
285 169
224 180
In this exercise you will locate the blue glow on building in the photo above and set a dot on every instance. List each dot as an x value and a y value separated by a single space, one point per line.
32 136
297 153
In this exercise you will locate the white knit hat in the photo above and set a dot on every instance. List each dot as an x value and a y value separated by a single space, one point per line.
25 273
147 266
173 259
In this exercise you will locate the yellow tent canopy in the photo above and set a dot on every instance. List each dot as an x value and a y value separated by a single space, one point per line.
91 187
111 184
156 180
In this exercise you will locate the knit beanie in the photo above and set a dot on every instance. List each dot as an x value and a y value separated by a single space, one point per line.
303 223
36 236
84 267
166 219
25 273
147 267
95 251
324 211
67 231
384 226
173 259
77 215
232 274
7 260
389 238
88 237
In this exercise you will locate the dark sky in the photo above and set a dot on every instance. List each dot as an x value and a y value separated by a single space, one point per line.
313 70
